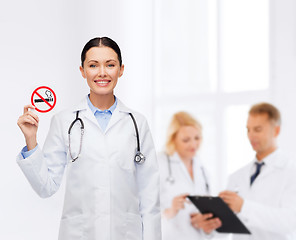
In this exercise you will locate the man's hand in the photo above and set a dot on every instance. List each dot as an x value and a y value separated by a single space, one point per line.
233 200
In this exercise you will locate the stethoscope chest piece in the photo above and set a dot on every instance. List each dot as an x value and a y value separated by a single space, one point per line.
139 158
170 179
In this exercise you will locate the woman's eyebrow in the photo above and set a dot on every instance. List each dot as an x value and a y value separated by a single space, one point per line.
111 60
93 61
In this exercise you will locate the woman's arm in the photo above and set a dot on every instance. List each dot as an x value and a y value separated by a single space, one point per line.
43 169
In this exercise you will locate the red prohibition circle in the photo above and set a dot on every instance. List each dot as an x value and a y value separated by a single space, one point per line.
51 106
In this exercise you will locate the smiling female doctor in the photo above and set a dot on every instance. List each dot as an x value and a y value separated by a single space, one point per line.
111 193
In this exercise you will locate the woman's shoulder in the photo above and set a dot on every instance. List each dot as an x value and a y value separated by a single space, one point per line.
139 117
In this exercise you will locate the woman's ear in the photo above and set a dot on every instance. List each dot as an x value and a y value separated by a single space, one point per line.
121 70
82 71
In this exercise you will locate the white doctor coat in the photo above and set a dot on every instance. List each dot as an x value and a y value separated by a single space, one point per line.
269 208
180 227
108 196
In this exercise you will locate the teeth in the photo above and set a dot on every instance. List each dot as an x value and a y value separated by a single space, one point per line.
102 82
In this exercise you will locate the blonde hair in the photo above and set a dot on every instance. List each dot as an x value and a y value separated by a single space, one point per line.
179 120
266 108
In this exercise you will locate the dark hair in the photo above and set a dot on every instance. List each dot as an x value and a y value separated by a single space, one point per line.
266 108
98 42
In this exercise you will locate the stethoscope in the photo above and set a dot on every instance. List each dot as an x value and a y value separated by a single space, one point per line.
171 179
139 157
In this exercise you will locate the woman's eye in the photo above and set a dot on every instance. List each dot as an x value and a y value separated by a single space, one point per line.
110 65
92 65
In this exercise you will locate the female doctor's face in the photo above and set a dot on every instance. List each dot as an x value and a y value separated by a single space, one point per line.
101 69
187 141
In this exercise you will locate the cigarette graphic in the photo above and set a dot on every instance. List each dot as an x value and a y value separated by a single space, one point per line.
46 99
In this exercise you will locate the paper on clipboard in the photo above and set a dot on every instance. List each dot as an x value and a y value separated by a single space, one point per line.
215 205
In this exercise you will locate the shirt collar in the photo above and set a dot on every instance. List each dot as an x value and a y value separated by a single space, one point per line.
269 159
94 109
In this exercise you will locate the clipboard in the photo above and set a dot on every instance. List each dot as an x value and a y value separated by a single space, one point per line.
215 205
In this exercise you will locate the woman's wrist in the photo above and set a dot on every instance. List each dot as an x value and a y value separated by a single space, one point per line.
31 143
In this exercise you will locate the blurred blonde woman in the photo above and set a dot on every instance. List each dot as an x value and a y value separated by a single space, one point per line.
182 174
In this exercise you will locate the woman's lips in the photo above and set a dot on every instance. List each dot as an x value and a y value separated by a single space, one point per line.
102 83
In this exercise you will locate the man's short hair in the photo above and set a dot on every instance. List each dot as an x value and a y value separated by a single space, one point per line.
272 112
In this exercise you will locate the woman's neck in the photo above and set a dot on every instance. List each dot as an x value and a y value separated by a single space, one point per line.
188 162
102 102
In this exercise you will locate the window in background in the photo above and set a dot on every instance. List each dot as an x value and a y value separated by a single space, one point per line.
211 59
244 38
238 149
243 71
181 48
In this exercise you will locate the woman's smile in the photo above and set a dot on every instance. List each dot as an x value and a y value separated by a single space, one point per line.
102 83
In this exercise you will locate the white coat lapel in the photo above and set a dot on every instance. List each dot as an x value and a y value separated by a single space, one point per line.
200 179
120 111
183 169
272 164
84 111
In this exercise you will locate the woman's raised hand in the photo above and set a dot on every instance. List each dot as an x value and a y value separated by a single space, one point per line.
28 123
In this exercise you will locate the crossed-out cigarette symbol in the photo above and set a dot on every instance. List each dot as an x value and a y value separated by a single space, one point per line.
48 99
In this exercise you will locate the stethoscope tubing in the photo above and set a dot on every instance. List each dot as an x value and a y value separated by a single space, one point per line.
81 136
171 179
139 157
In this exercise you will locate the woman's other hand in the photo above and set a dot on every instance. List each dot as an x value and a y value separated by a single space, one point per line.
178 203
206 222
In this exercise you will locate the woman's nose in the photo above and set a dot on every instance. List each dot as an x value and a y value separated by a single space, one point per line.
102 71
193 144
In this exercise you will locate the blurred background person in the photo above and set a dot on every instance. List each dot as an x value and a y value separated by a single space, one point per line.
182 174
263 193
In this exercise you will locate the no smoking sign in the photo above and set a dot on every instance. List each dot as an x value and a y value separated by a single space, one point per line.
44 99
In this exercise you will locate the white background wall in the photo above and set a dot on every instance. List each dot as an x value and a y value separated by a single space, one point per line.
41 43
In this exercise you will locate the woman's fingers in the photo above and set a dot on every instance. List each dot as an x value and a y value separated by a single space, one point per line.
33 115
29 114
183 196
28 117
27 107
178 201
32 120
27 120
